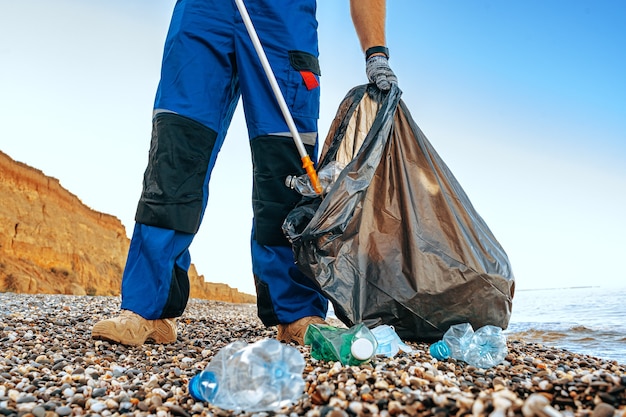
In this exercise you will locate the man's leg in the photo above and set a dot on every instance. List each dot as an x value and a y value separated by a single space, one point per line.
155 285
195 101
284 295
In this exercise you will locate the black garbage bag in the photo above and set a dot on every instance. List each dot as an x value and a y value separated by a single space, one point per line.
396 240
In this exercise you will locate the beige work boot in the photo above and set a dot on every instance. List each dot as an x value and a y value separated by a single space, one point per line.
294 332
131 329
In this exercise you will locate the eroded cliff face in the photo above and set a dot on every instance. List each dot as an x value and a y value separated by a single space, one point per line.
50 242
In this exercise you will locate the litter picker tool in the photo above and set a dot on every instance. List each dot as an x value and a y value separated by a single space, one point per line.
307 164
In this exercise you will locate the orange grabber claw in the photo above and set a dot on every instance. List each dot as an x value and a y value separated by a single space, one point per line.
307 164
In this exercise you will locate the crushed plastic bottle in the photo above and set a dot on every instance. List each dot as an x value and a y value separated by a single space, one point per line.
454 343
352 346
483 348
262 376
389 343
487 347
326 175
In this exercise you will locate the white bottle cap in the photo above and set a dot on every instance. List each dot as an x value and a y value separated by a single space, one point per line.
362 349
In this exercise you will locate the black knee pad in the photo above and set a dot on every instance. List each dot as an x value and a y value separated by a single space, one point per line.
273 159
172 195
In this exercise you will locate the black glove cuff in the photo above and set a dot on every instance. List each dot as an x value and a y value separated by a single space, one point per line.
375 50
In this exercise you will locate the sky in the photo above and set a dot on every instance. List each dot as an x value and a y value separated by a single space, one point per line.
525 101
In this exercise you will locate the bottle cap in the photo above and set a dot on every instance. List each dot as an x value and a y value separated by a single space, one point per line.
362 349
440 350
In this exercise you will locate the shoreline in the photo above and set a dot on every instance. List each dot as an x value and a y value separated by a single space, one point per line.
50 366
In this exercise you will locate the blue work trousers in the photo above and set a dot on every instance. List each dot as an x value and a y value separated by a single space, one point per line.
209 63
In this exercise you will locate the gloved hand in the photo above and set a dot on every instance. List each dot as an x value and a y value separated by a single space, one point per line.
378 72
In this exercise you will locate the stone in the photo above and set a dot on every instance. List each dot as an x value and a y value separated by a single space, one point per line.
603 410
63 410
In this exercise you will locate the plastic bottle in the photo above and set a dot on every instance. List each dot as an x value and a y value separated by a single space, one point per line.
352 346
454 343
262 376
326 175
484 348
487 347
389 343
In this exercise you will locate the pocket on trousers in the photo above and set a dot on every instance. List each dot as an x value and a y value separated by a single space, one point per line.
303 80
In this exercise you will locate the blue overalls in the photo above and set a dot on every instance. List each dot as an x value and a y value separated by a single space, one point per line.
208 63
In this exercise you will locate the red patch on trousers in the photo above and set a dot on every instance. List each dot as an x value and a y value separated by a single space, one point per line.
310 80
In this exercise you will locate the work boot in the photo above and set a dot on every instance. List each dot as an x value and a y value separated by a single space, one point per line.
131 329
294 332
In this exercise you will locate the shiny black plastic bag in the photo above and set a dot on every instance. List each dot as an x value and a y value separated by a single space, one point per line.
396 240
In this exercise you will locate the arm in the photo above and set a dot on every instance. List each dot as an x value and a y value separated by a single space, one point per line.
369 18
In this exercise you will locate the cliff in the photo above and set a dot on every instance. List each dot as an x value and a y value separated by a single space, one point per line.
50 242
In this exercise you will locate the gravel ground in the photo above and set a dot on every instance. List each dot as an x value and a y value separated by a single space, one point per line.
50 366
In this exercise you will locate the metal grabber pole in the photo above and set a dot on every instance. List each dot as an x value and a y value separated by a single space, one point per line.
307 164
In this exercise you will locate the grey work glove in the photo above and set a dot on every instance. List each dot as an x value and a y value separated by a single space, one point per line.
378 72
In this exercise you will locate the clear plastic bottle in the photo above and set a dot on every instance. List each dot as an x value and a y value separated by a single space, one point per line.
326 175
484 348
352 346
487 347
454 343
389 343
262 376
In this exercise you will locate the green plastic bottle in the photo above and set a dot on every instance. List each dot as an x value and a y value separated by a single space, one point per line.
352 346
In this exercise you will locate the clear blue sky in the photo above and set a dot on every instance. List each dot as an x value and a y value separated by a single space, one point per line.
524 100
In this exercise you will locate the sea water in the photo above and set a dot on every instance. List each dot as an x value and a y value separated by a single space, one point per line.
586 320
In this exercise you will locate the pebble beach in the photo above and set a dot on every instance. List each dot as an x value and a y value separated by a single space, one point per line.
50 366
